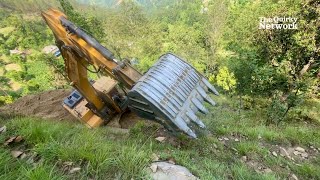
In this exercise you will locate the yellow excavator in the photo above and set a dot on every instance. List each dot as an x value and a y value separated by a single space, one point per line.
171 92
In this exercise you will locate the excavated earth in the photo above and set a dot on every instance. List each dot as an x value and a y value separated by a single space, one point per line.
48 105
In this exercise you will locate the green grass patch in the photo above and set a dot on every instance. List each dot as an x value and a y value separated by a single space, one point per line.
105 154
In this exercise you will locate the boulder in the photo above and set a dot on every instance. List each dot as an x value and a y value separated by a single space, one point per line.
167 171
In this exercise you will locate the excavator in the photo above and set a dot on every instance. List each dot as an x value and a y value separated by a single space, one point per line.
170 93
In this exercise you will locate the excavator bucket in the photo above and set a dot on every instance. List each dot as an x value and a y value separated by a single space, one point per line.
171 93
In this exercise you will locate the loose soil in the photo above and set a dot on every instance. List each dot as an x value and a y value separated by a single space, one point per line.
48 105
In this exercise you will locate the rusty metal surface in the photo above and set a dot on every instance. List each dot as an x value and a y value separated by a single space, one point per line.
171 93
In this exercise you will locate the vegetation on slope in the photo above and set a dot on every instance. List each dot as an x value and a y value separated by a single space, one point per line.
270 78
240 147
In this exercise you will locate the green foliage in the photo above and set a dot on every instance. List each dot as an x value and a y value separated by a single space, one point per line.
276 111
6 99
106 154
225 79
265 62
89 23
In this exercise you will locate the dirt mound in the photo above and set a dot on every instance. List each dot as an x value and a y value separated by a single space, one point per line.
47 105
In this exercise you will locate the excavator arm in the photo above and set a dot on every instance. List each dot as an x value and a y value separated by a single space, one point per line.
79 51
170 93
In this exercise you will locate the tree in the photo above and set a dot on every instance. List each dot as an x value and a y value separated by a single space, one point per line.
88 23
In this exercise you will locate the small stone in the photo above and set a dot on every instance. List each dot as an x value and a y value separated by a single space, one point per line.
244 158
23 155
304 155
296 153
73 170
160 139
284 152
234 149
259 136
16 154
18 139
9 140
154 157
236 140
267 170
214 145
293 177
300 149
3 129
171 161
153 168
220 139
169 171
274 153
226 139
68 163
312 147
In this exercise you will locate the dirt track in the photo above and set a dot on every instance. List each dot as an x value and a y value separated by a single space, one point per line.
47 105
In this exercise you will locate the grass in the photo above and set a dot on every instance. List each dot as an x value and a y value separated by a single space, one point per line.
104 154
6 31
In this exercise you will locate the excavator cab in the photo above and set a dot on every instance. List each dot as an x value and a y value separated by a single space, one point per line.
171 92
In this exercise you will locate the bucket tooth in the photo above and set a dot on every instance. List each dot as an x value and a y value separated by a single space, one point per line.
182 125
195 119
210 87
205 96
198 104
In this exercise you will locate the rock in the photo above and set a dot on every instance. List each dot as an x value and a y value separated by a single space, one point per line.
214 145
226 139
274 154
15 51
296 153
50 49
9 140
18 139
12 67
3 129
304 155
15 86
293 177
169 171
153 168
300 149
234 149
23 155
244 158
284 152
267 170
171 161
68 163
155 157
160 139
220 139
236 140
73 170
18 154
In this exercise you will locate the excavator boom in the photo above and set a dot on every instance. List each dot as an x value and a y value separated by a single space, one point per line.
170 93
